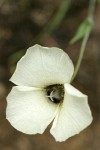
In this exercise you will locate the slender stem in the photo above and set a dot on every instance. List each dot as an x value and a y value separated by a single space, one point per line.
55 21
81 54
57 18
59 15
91 7
85 39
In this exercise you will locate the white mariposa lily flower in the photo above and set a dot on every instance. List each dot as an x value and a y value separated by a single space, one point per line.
43 94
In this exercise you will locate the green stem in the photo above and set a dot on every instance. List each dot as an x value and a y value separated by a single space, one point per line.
85 39
55 21
81 54
91 7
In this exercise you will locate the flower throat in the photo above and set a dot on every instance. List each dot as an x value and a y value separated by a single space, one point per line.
55 93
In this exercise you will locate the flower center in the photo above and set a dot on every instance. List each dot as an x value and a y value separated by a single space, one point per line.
55 93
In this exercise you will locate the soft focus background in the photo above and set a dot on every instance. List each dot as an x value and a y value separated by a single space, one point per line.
26 22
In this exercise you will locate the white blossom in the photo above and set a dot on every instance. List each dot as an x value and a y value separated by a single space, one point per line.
43 94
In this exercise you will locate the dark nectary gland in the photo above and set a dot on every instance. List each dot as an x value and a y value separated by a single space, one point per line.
58 92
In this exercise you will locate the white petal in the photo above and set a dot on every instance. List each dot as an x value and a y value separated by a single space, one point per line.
29 110
74 115
42 66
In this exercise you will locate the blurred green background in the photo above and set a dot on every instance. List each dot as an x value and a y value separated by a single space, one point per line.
24 23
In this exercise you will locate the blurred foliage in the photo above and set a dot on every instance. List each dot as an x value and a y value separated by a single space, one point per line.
13 59
98 1
82 30
58 17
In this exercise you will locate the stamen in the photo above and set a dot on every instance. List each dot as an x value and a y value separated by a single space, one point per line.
51 96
